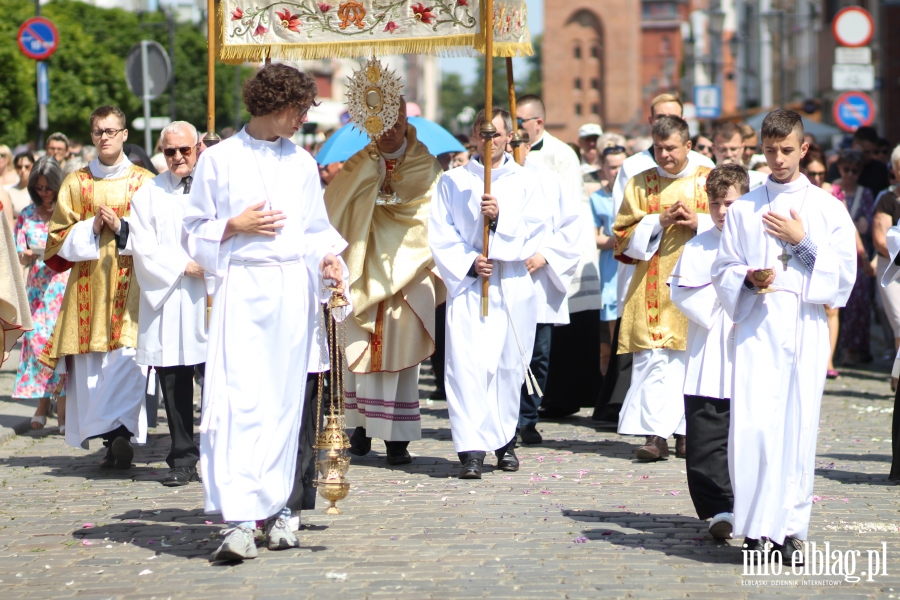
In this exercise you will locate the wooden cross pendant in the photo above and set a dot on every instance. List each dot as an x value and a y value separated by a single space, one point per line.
784 258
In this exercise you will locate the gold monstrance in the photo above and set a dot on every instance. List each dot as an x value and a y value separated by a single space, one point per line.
332 459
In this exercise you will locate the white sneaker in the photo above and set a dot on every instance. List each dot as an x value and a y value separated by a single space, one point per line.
295 521
722 525
279 535
238 545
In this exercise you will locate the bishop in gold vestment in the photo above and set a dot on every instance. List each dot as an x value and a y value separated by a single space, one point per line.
381 207
652 327
97 325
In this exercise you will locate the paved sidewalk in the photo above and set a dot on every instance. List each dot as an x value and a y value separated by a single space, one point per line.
581 519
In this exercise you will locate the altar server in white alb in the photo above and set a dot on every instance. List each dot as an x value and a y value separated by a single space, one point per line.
256 222
710 354
552 268
808 240
487 357
172 315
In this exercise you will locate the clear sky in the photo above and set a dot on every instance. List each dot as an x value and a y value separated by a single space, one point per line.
466 66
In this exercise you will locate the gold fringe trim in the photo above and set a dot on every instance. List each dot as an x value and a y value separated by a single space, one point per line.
233 54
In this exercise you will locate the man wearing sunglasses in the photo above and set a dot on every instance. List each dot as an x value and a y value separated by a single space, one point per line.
97 327
728 148
574 352
618 374
172 316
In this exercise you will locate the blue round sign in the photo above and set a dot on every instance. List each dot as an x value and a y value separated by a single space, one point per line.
38 38
853 110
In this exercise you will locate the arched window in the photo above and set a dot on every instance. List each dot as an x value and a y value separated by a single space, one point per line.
584 30
578 52
578 109
578 83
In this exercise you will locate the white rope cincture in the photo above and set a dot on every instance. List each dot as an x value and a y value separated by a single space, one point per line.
531 382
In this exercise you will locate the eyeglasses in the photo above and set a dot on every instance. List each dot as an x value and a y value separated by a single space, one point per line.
185 151
40 189
521 121
815 174
613 150
702 147
110 133
850 170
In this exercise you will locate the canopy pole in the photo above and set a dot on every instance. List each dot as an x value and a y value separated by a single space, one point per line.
211 139
516 141
488 131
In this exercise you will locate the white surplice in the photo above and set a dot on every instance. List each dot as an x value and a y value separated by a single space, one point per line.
561 248
710 347
891 274
485 361
262 317
634 165
557 156
777 389
654 403
105 389
172 317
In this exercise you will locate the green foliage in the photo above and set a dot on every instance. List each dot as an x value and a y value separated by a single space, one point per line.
88 70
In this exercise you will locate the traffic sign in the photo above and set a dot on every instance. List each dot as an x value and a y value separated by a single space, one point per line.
853 26
43 87
853 110
853 56
853 77
38 38
708 99
159 70
156 123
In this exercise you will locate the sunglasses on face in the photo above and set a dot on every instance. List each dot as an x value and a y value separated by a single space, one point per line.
702 147
520 120
816 174
40 189
849 170
185 151
613 150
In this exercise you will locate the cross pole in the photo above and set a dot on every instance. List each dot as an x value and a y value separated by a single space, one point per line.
211 139
516 141
488 131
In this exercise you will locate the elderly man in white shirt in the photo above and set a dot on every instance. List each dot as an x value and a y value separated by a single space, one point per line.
172 316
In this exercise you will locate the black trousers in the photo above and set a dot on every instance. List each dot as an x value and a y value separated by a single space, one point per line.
618 377
177 385
895 439
437 359
707 455
303 494
540 366
573 380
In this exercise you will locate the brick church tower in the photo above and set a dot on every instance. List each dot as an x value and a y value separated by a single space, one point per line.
591 65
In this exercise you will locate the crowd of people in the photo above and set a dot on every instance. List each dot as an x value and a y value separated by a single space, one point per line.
653 279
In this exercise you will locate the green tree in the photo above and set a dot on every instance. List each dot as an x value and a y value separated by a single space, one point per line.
453 98
534 84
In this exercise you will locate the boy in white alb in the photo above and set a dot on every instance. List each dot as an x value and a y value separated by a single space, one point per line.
710 351
798 242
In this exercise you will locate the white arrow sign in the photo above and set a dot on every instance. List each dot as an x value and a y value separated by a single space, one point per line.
156 123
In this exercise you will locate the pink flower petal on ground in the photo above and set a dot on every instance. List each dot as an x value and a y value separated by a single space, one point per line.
87 525
582 472
87 543
674 493
539 458
845 499
645 477
580 540
556 476
507 477
546 492
208 522
816 498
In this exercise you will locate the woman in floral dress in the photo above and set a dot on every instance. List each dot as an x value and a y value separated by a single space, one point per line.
45 292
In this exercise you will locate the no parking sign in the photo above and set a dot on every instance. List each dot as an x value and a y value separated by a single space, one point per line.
38 38
853 110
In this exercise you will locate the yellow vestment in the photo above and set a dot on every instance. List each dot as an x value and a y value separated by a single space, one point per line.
650 319
393 285
100 307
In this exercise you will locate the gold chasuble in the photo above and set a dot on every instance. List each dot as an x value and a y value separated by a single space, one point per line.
100 307
650 319
393 285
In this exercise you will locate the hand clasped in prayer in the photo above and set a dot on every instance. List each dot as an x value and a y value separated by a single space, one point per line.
787 230
106 216
678 214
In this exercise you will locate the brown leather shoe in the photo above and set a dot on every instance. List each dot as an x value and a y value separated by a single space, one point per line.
656 448
680 446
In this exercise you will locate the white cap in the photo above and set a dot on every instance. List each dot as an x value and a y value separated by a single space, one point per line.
589 129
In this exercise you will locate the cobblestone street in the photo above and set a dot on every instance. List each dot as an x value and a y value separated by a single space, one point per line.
580 519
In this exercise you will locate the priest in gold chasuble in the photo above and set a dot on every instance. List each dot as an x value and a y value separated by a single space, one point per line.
380 203
97 325
664 207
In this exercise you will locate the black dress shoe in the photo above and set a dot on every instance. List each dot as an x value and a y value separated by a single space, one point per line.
438 394
360 445
680 446
787 549
530 435
755 551
471 469
122 452
507 461
397 453
181 476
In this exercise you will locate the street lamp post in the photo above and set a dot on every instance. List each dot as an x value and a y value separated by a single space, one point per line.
774 20
716 27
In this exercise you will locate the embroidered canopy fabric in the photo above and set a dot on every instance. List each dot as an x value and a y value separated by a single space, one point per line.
251 30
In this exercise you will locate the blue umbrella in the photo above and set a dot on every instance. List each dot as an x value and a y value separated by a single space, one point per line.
348 140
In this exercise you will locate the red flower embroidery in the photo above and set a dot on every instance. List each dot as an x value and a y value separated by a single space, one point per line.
260 30
237 14
423 13
462 2
289 21
324 7
391 27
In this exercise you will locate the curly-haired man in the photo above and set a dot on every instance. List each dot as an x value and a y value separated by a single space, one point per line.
256 223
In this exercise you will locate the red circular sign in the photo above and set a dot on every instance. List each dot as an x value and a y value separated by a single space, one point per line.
853 110
853 27
38 38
